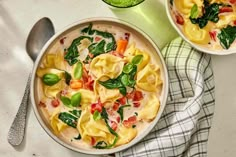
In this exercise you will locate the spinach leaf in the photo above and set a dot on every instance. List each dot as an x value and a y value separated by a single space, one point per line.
111 83
106 46
210 14
50 79
78 70
76 99
104 114
97 48
103 144
72 52
123 90
67 78
78 137
126 78
69 119
76 113
121 111
227 36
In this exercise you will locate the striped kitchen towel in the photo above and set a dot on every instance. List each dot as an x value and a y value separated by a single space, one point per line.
184 126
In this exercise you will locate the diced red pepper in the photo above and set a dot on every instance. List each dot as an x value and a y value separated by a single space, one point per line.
138 95
114 125
179 19
115 107
226 9
42 104
96 107
89 83
55 102
122 100
232 1
130 121
118 119
93 141
235 22
136 104
62 40
213 35
97 38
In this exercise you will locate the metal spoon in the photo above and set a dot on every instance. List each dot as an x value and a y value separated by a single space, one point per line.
38 36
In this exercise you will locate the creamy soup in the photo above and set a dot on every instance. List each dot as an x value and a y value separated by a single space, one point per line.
210 23
99 86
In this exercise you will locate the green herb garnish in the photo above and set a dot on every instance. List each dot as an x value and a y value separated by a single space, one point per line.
78 70
73 102
97 115
50 79
194 11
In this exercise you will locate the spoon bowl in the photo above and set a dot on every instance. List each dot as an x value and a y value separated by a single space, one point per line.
38 36
41 32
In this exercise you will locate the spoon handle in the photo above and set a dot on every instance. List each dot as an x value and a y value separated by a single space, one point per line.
17 130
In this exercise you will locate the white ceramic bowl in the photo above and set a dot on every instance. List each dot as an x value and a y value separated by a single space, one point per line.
195 45
77 25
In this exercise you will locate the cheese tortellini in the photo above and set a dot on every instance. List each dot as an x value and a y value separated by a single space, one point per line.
89 128
148 79
150 109
184 6
106 64
133 51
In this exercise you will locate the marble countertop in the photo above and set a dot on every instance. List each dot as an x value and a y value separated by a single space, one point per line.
18 17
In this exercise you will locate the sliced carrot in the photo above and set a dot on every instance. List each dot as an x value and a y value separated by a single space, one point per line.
121 46
76 84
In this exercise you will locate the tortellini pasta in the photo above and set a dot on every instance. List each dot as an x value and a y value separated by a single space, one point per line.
225 20
133 51
52 91
150 109
55 123
87 97
106 64
196 34
126 135
106 95
148 79
184 6
89 128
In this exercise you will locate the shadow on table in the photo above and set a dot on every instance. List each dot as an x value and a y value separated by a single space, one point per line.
151 17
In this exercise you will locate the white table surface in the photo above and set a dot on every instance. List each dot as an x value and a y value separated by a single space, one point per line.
16 19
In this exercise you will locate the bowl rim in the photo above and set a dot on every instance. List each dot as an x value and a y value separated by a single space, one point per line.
165 88
194 45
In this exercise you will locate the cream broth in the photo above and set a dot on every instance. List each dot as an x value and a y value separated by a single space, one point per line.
86 110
